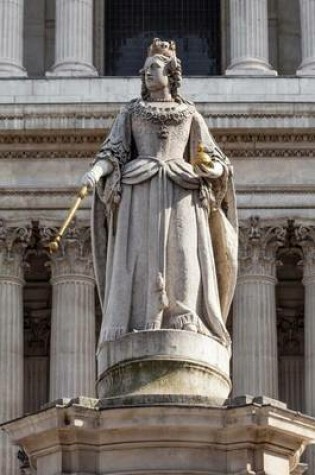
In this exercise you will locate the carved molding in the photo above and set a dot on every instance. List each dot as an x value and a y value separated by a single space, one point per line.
13 242
85 143
74 257
258 248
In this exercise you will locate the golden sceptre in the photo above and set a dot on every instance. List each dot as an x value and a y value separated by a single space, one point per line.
53 246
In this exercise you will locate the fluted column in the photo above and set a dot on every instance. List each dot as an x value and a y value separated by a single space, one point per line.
306 237
255 365
11 38
72 357
12 242
249 38
307 15
74 39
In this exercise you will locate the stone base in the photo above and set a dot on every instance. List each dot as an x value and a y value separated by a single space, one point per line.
84 436
164 362
72 69
250 67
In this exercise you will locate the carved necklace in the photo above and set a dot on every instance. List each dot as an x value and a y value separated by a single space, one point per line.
163 116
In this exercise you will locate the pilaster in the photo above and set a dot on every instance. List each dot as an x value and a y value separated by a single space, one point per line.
249 38
72 360
74 39
255 365
306 239
13 241
307 15
11 38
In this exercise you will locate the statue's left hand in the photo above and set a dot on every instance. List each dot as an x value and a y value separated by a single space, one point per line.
215 171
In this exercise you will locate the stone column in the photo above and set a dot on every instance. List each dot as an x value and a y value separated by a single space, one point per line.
249 38
72 357
307 15
306 238
12 243
11 38
74 39
255 365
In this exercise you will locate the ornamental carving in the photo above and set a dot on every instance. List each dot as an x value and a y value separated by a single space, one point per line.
290 331
74 257
83 145
13 242
305 236
258 248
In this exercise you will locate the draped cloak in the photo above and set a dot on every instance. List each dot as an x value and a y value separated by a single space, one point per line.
164 233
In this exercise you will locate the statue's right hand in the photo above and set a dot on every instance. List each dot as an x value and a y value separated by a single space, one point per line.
89 179
101 168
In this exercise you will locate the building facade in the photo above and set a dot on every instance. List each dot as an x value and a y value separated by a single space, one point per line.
66 67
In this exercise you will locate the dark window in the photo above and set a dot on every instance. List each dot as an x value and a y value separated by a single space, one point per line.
130 26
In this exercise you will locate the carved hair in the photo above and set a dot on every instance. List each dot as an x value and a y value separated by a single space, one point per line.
166 52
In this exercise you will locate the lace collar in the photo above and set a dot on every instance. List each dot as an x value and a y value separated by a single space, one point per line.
173 113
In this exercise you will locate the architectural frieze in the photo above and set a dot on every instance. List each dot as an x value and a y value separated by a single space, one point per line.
85 143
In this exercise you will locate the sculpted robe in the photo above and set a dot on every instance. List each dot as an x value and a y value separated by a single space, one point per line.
164 233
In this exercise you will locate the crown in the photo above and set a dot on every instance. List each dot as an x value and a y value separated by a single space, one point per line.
166 48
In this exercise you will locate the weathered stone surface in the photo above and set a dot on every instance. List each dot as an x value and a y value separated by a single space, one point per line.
164 362
81 437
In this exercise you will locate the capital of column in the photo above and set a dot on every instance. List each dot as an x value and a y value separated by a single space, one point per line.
13 241
305 236
258 248
73 261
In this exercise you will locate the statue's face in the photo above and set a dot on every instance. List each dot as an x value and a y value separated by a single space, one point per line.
156 77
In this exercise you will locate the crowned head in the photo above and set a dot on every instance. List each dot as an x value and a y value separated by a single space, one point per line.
162 72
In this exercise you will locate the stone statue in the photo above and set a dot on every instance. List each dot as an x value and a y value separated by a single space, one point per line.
164 216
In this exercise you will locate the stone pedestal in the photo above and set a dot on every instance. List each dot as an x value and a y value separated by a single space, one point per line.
255 362
164 362
74 39
307 15
249 38
72 359
11 337
87 436
11 38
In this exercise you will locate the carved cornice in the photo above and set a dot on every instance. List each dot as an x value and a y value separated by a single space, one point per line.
84 143
258 249
73 260
13 242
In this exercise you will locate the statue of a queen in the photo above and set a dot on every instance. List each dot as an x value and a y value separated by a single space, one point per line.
164 218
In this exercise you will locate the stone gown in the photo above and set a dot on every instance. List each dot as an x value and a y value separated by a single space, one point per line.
165 251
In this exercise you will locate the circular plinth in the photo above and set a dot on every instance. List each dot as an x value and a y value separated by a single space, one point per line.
164 362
